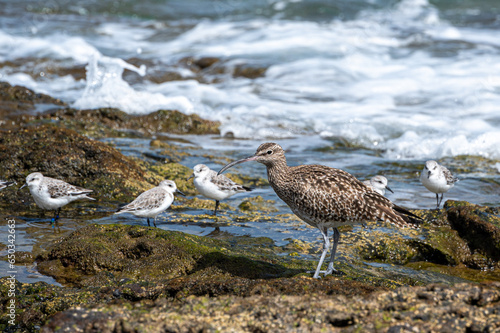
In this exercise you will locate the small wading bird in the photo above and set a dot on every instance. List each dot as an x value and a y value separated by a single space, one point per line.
4 184
152 202
437 179
214 186
53 194
325 197
378 184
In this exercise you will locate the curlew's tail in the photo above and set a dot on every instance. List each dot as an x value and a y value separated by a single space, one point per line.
411 220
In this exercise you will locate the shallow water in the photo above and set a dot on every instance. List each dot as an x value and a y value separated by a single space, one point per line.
372 87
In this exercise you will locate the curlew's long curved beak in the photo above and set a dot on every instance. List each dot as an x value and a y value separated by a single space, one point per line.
389 189
248 159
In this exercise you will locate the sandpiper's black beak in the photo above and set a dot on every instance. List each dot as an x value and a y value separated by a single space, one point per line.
23 186
389 189
429 174
192 175
248 159
177 191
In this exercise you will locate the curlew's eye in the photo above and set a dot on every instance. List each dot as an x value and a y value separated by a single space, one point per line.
269 152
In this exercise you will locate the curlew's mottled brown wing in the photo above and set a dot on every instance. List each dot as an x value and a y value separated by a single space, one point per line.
324 195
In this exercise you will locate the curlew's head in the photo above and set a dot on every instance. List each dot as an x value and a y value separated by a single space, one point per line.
268 153
170 186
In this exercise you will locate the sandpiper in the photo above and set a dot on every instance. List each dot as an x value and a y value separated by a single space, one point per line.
437 179
214 186
152 202
378 184
4 184
53 194
325 197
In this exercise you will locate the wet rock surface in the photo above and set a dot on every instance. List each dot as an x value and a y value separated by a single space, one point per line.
436 308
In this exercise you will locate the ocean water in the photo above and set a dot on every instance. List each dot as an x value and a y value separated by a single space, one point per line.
369 86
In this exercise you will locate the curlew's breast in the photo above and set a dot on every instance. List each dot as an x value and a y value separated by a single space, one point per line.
330 197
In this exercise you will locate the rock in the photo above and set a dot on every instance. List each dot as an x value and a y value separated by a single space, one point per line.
15 99
434 308
479 228
108 122
257 204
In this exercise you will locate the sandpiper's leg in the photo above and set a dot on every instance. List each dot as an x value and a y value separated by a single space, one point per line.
148 222
441 200
56 215
326 246
154 222
336 238
216 206
437 201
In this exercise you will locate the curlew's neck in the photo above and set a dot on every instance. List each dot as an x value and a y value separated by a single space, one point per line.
277 171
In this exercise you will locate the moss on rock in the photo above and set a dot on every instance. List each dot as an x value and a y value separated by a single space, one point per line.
109 122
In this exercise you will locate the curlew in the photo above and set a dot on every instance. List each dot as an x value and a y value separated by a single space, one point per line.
326 197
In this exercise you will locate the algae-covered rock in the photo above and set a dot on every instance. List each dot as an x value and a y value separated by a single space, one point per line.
479 228
36 302
257 203
433 308
15 99
109 122
143 254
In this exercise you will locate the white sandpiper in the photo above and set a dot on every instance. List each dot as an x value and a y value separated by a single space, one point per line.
213 186
53 194
4 184
152 202
437 179
378 184
326 198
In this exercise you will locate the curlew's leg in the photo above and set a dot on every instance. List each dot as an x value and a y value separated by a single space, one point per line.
216 206
326 246
148 222
336 238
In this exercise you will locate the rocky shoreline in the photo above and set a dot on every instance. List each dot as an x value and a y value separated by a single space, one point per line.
120 278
